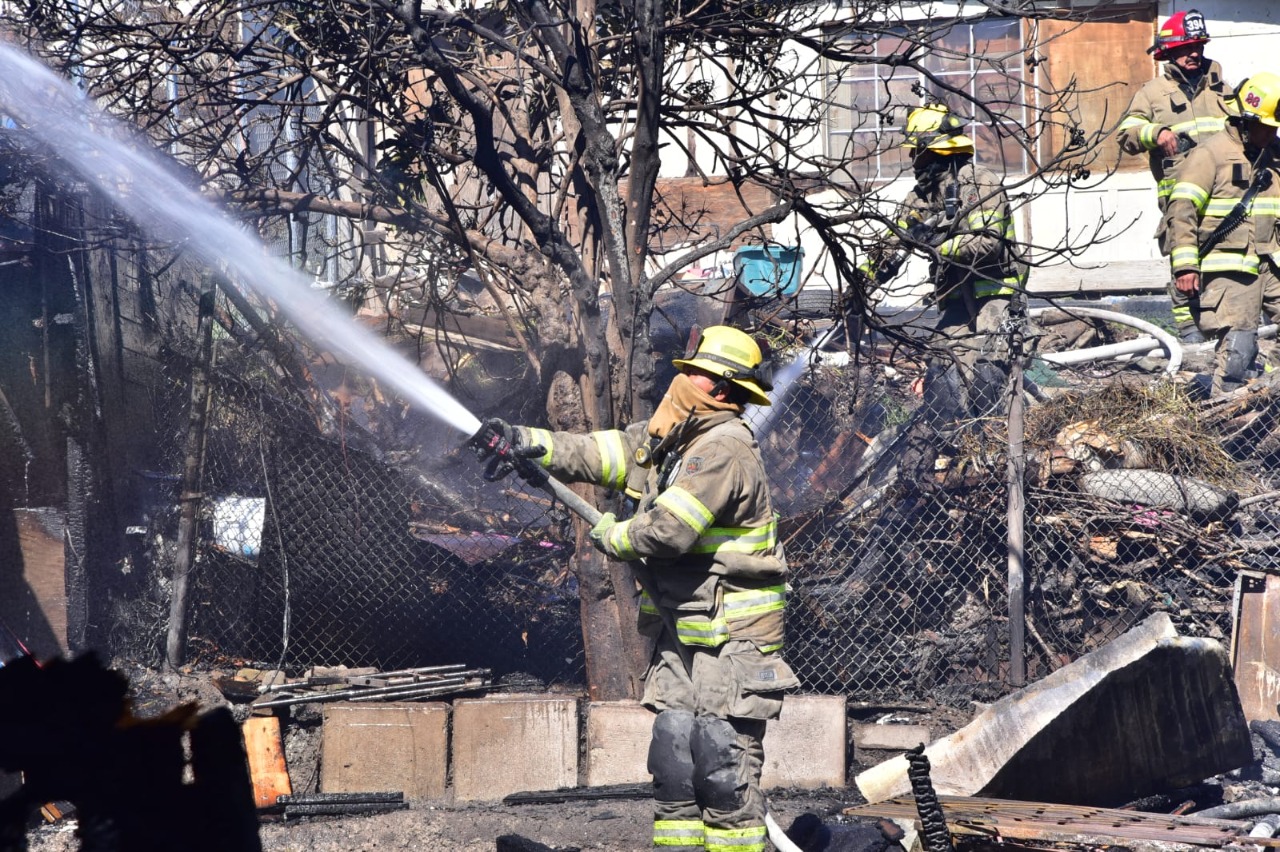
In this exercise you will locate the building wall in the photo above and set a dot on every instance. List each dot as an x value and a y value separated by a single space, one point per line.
1124 257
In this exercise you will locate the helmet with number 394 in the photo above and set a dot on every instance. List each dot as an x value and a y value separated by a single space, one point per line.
1182 28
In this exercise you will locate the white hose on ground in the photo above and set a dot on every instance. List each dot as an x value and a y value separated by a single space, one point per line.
779 837
1167 341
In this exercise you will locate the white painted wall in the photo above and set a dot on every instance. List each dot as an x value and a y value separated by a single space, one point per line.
1118 211
1244 35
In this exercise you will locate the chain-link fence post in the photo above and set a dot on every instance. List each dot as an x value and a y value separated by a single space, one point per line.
189 495
1015 541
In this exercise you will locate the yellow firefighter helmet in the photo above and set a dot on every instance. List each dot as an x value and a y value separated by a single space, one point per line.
733 355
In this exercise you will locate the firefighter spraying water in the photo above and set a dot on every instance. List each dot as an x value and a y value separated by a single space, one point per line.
712 573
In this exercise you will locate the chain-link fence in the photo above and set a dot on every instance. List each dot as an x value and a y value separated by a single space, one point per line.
350 535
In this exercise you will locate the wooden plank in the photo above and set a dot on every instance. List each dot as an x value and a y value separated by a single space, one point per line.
267 767
1008 819
1106 61
33 591
1117 278
1255 644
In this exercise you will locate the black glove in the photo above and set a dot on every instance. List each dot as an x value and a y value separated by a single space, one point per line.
502 447
923 232
889 267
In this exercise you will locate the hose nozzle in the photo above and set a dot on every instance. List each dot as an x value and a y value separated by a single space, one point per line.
499 445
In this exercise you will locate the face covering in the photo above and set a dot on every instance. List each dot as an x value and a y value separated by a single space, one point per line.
683 399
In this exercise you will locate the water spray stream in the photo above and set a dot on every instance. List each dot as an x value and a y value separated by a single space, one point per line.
158 199
786 376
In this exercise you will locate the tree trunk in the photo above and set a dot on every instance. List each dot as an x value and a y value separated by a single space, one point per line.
615 650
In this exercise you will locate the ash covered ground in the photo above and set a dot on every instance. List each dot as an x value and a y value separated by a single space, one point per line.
602 824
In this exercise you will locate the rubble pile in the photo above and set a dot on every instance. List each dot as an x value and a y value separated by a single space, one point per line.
1139 499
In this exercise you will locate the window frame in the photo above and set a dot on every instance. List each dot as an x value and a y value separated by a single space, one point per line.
893 91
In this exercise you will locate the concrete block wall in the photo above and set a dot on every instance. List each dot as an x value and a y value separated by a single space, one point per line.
487 748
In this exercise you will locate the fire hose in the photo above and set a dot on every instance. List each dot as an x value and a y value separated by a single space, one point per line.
488 443
1166 341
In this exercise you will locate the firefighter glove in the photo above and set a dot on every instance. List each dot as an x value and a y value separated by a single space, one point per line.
926 233
607 522
503 449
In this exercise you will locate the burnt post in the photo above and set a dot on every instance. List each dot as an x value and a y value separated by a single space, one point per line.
192 478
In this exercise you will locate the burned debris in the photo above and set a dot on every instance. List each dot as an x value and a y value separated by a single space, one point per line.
322 686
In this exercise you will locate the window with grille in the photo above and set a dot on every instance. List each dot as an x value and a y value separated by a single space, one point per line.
979 61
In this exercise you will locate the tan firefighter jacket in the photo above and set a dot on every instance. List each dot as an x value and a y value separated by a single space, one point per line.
1211 181
979 238
705 524
1166 102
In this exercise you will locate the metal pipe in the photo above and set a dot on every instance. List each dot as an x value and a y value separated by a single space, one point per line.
1241 809
192 478
424 691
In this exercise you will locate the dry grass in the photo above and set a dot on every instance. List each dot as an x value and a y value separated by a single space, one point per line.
1159 419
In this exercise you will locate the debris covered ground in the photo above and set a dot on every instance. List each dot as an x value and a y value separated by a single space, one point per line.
613 824
1103 562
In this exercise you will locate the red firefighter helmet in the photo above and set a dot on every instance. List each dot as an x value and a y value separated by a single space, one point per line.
1180 29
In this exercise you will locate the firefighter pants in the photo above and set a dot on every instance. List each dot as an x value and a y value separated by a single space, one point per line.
1232 302
971 332
706 752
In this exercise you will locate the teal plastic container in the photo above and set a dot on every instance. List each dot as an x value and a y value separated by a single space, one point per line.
768 270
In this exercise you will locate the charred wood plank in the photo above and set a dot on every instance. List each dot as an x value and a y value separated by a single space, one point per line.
577 794
341 809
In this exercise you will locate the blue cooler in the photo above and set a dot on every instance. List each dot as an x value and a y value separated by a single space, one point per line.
772 271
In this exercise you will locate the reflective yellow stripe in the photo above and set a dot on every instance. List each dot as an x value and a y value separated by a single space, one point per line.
714 632
618 539
709 633
1220 207
613 459
736 839
1182 314
1183 191
542 437
1165 187
754 602
985 288
679 832
737 606
1230 261
1185 257
1197 126
737 539
687 508
1265 207
988 218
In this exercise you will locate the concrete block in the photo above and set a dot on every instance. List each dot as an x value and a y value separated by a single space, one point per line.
513 743
617 743
890 737
807 745
373 748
